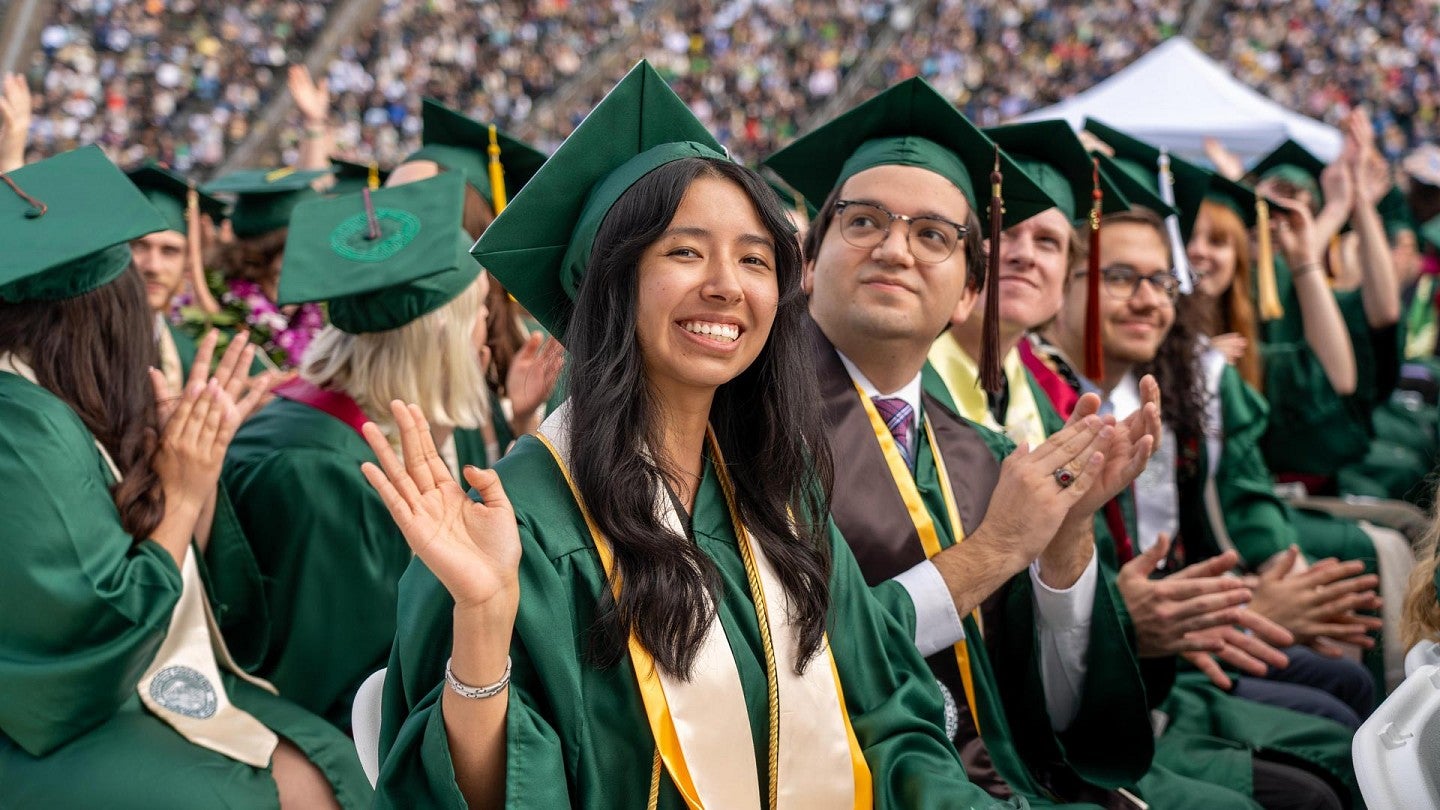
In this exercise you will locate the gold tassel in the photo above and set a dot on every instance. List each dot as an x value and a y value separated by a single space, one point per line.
497 173
1268 292
373 180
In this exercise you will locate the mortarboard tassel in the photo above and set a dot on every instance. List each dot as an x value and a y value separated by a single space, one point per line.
37 208
1094 353
1267 291
1178 259
497 173
199 287
373 180
990 376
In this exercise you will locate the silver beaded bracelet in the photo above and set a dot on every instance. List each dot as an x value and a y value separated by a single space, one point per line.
477 692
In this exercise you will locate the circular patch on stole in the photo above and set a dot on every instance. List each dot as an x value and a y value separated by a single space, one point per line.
185 691
952 711
350 239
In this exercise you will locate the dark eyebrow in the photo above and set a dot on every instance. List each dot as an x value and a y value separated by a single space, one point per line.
701 233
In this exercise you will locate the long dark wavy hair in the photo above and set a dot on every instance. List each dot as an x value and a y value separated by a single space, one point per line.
1178 370
92 351
767 421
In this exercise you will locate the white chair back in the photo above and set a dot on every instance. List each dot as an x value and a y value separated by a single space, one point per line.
1425 652
365 723
1397 750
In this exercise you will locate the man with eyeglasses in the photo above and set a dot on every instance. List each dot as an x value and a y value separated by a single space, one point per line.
991 565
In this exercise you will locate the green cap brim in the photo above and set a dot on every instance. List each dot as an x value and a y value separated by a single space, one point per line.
910 124
169 191
81 242
1136 194
1238 197
418 263
1141 161
1053 156
264 198
461 144
540 245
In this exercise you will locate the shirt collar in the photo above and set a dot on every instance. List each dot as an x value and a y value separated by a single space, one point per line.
910 391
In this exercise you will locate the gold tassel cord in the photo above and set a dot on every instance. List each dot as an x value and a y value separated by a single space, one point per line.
497 173
1267 290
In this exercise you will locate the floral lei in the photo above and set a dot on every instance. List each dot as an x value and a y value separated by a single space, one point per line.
243 305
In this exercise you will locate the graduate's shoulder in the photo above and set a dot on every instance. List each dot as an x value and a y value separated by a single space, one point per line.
544 505
34 419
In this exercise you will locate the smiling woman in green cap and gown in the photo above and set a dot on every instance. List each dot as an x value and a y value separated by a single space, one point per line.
118 692
406 305
496 167
673 594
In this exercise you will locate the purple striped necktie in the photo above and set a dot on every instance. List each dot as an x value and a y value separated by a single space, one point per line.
899 418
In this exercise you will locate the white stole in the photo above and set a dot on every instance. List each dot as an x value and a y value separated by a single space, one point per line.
182 685
709 713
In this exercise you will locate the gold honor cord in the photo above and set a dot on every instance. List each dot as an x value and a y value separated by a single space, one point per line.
924 524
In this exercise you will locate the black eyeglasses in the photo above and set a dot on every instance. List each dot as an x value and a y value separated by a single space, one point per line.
931 239
1123 282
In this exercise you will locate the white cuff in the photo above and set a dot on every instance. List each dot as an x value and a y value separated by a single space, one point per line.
1063 626
937 622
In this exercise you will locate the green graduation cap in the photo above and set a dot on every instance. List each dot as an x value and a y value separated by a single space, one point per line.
792 200
909 124
461 144
1135 192
1238 197
351 177
1141 161
540 245
169 192
1429 233
66 226
382 262
1294 164
264 199
1395 213
1051 154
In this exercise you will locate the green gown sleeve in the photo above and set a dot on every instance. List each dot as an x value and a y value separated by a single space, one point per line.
85 606
1304 406
1258 523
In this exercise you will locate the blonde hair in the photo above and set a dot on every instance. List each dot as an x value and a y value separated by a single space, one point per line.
1420 617
431 361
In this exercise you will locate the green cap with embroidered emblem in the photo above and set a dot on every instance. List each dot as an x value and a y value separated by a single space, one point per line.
909 124
1141 161
351 177
383 264
1053 156
539 247
264 198
66 224
169 192
461 144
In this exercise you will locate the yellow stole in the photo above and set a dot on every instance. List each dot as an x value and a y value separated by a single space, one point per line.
701 726
962 378
924 523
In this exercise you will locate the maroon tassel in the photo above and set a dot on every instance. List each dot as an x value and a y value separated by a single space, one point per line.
371 220
1094 351
991 377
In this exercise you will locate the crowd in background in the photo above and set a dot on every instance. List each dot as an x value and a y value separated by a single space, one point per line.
184 80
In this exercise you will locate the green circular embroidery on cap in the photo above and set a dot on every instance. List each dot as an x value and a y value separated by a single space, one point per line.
397 229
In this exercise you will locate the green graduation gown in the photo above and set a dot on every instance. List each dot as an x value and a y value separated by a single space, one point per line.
577 734
327 550
1109 743
86 609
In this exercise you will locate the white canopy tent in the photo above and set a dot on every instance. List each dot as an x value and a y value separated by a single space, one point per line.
1174 96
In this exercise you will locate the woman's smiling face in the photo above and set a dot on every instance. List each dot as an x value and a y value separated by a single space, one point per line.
708 289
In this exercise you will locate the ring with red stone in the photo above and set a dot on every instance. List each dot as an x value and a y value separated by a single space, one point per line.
1063 477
